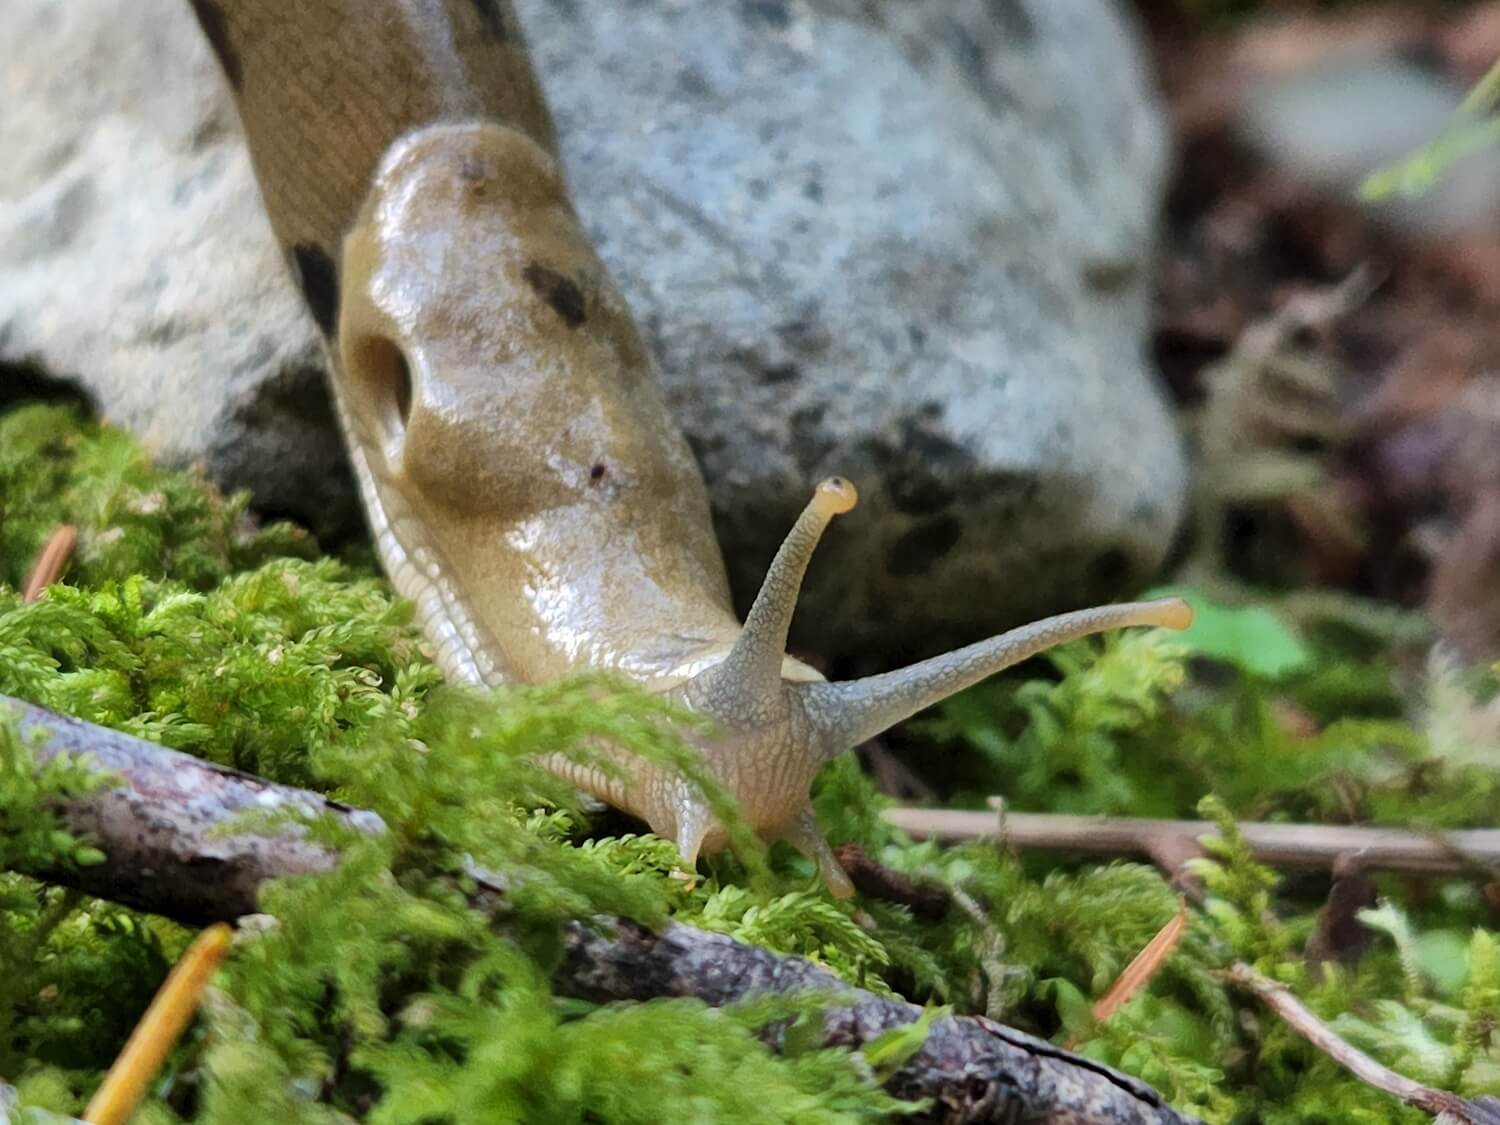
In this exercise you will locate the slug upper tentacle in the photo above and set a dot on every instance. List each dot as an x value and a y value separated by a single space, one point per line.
779 730
523 479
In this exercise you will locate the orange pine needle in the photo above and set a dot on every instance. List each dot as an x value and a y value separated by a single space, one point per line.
50 563
159 1029
1139 972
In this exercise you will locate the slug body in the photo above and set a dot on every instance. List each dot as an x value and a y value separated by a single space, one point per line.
524 481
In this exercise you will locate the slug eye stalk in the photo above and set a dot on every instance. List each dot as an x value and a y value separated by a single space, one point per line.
752 670
781 729
845 714
849 713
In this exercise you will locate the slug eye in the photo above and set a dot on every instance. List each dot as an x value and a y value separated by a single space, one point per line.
381 380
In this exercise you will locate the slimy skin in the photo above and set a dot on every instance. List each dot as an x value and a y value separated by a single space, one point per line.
524 481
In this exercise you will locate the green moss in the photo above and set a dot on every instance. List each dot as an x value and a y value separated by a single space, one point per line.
382 995
57 468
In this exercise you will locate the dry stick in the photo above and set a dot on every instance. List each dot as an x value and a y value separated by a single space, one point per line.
1296 846
156 828
50 563
1279 998
162 825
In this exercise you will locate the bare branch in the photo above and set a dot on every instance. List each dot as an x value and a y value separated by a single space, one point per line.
1296 846
1450 1108
163 828
160 1027
973 1069
156 830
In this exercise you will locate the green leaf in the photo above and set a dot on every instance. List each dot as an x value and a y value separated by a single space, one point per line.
1252 638
1073 1007
890 1050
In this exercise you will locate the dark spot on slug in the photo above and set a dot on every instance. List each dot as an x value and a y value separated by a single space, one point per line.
968 47
492 15
916 551
215 124
163 332
216 31
598 471
319 279
692 83
559 291
479 175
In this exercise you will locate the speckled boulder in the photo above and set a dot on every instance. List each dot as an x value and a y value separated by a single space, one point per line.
134 257
904 243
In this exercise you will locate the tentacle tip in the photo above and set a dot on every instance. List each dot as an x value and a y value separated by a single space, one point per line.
1173 613
835 496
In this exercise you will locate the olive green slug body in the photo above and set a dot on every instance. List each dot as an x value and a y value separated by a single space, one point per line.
524 481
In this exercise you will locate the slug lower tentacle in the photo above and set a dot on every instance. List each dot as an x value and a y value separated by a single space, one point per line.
522 476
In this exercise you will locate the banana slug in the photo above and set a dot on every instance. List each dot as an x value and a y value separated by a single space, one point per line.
523 479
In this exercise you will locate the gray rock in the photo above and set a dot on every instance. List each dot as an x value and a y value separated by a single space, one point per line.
905 243
134 256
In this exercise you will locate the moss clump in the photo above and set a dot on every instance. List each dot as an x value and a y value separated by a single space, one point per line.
56 468
382 995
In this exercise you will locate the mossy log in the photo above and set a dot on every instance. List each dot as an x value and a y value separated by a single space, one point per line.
164 829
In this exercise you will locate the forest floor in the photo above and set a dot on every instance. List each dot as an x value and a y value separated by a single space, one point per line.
1335 363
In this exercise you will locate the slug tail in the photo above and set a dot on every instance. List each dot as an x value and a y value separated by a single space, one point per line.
847 714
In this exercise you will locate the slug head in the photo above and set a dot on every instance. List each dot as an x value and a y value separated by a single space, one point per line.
544 513
777 731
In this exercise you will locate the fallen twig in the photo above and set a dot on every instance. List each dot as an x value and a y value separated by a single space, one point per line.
1449 1108
927 901
162 817
1295 846
162 826
50 563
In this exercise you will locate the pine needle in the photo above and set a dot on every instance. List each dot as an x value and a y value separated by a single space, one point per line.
1147 962
50 563
159 1029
